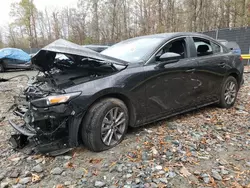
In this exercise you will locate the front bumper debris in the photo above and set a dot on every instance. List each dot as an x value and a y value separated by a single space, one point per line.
25 145
18 141
22 129
30 143
33 138
50 130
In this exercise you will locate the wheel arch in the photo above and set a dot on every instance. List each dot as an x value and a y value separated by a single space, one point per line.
236 76
76 133
123 98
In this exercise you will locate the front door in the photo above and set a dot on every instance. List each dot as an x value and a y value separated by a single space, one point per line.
172 88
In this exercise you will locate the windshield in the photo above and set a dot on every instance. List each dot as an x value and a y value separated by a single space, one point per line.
133 50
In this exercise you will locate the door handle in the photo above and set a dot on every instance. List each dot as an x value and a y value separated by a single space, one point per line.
190 70
222 64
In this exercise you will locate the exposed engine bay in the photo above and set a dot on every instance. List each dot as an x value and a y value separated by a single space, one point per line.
48 117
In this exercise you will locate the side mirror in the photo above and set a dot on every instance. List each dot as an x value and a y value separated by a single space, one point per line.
167 58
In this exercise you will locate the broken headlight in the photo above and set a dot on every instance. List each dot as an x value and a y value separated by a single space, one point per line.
54 99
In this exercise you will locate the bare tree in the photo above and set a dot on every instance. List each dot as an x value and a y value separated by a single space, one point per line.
109 21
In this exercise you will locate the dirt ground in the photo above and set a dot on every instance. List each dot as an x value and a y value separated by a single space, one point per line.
209 147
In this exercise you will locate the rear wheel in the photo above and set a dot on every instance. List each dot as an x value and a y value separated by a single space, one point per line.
1 67
229 92
105 124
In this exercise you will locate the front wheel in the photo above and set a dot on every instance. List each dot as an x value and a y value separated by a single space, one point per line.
105 124
229 92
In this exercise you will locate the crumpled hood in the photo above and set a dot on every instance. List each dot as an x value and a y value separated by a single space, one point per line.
45 58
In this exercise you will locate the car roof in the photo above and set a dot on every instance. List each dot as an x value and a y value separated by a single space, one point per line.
95 45
222 40
173 35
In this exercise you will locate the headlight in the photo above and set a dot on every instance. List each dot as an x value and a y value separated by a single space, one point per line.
55 99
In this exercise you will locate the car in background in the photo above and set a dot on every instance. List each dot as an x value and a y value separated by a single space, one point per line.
13 58
231 45
97 48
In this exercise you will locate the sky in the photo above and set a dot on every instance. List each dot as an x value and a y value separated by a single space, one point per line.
40 5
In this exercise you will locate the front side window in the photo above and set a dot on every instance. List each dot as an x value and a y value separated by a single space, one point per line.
203 47
178 46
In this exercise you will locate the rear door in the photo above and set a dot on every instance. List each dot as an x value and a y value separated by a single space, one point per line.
212 68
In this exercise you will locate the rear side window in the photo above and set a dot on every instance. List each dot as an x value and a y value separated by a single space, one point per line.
203 47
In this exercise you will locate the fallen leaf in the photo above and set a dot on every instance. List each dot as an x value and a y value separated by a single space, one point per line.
203 141
86 171
35 178
70 165
95 161
59 186
189 154
185 172
213 183
37 156
112 164
166 169
17 180
236 185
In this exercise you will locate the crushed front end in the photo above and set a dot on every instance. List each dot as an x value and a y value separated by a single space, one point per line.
50 110
44 118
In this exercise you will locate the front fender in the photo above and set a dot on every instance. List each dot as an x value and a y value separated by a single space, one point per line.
84 101
74 128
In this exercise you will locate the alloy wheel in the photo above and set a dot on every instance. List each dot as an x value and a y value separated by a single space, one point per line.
230 92
113 126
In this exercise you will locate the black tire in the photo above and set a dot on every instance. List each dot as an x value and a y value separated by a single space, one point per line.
1 67
92 135
223 103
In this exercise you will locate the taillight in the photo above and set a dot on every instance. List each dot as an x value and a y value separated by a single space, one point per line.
241 58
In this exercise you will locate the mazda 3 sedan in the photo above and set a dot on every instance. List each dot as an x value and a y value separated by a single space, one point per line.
85 97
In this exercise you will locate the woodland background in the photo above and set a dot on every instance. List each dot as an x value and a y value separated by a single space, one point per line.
110 21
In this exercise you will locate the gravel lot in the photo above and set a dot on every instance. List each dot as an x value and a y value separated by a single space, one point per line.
209 147
9 74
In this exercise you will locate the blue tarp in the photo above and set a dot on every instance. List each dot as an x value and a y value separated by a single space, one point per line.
14 53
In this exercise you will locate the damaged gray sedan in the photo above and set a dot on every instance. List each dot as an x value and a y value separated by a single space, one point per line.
90 98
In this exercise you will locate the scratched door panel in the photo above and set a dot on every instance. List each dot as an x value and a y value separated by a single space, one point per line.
170 88
210 71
